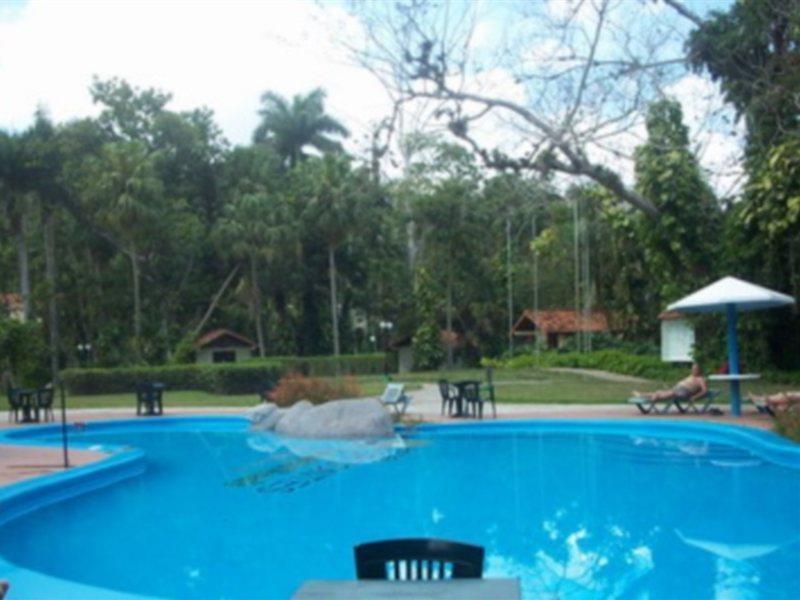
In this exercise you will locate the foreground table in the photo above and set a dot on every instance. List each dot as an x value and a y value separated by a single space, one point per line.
461 589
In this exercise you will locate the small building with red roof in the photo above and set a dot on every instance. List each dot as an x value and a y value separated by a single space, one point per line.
223 346
555 327
12 305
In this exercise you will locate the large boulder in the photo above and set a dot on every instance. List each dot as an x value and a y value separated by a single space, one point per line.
338 419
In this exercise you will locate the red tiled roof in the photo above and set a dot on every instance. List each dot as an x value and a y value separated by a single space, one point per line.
561 321
12 301
209 337
671 315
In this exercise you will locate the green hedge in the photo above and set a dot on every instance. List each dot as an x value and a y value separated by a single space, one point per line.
617 361
325 366
242 378
221 379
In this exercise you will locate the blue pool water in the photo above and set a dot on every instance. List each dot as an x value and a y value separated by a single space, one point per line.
575 513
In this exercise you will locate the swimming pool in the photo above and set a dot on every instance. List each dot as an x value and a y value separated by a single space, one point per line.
202 508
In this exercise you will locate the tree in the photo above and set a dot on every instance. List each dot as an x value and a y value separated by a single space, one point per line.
291 127
427 341
753 51
566 82
15 185
46 164
125 195
335 198
248 230
679 246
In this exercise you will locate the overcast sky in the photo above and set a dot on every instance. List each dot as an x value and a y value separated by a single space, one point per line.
223 55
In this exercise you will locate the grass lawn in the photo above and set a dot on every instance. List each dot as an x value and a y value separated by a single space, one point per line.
538 386
532 386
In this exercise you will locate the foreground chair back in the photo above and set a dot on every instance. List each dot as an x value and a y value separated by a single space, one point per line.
417 559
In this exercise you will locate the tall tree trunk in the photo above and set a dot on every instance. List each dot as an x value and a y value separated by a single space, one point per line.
50 276
255 290
449 320
534 235
334 311
509 288
137 305
214 301
24 268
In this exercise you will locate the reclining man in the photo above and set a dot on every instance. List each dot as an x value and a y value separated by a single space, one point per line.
692 387
779 401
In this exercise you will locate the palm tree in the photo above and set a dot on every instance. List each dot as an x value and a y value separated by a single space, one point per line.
124 189
335 203
290 127
250 230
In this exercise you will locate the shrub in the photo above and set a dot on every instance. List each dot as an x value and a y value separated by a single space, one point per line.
787 423
295 386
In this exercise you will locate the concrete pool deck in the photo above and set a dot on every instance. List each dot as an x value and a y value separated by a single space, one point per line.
18 463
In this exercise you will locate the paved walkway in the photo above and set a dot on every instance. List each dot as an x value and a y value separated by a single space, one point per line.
18 463
599 374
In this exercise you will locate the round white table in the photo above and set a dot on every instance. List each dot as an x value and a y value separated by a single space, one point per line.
735 377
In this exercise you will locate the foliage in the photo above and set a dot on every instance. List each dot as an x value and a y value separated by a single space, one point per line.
426 343
289 127
787 423
23 354
294 387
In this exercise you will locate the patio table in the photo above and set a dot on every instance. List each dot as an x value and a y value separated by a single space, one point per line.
460 589
735 377
29 404
460 385
154 393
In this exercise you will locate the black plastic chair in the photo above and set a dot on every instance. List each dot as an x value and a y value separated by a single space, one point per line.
473 400
149 395
418 559
14 404
44 399
489 387
449 396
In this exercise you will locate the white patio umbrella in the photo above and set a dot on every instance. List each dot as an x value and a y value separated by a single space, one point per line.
731 295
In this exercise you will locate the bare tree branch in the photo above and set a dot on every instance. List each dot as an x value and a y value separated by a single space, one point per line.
681 9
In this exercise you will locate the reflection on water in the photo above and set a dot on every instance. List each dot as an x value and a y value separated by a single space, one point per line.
578 563
295 463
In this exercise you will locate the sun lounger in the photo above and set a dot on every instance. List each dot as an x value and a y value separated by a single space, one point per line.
770 407
648 406
699 405
395 397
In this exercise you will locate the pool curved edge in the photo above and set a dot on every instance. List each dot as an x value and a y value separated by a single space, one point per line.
765 444
122 462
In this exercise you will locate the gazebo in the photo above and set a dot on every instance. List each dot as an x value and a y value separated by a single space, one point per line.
732 296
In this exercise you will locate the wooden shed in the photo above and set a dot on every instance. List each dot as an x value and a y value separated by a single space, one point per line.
223 346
